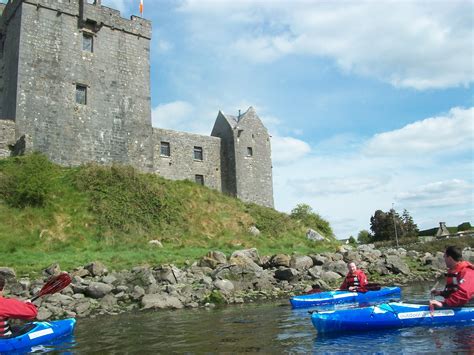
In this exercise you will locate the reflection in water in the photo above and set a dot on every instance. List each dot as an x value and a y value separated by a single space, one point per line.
263 327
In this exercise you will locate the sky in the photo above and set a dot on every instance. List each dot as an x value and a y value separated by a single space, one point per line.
369 103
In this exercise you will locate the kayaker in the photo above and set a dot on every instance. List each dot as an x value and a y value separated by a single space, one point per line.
459 280
355 279
13 308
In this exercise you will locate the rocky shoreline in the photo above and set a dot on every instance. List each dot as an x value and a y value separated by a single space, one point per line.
243 277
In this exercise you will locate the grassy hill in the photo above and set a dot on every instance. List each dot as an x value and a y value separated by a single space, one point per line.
73 216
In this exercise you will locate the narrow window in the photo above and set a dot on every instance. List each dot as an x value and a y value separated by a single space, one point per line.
249 151
165 149
81 94
197 153
87 42
199 179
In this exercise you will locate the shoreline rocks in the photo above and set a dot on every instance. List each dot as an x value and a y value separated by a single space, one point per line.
243 277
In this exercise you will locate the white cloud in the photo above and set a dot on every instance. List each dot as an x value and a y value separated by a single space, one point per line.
415 44
435 135
454 192
286 150
336 185
347 186
172 115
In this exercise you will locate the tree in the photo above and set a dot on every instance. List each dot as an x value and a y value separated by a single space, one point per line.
352 240
364 237
411 229
310 219
384 224
464 227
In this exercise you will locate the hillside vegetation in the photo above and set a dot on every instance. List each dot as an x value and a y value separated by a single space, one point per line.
72 216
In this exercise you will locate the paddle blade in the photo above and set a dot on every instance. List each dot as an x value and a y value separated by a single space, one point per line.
53 285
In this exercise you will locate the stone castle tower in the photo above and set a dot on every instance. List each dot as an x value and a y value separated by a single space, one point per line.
247 168
75 85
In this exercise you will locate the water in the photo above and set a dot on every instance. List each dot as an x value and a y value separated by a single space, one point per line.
264 327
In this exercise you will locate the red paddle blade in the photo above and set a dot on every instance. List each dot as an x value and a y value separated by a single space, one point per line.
54 284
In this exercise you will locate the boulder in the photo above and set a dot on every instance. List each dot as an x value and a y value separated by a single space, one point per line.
98 290
52 270
280 260
397 265
247 253
168 273
319 259
7 272
96 268
330 276
338 266
155 243
225 286
313 235
286 273
254 231
212 259
161 301
301 262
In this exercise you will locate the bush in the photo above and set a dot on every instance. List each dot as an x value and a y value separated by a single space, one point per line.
26 180
268 220
310 219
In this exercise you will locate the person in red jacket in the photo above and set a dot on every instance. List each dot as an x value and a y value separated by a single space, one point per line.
459 280
12 308
355 279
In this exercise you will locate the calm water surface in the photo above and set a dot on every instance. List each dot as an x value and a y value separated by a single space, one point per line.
265 327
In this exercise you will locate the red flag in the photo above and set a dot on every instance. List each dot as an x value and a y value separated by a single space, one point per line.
141 7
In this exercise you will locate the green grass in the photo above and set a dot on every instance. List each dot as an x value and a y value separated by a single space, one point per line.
73 216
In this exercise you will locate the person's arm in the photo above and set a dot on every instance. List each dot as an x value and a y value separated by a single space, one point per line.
362 282
344 284
464 292
12 308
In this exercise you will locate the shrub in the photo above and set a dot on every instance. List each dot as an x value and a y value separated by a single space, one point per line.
310 219
27 180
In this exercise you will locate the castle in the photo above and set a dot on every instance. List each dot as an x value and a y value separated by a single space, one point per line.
75 85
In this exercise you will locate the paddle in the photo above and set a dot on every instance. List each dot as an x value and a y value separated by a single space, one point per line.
53 285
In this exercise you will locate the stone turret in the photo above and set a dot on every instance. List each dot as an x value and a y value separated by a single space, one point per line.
245 157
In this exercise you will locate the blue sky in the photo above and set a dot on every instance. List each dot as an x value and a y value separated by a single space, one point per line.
368 103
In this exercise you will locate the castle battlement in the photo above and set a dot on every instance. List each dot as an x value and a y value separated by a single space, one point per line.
93 13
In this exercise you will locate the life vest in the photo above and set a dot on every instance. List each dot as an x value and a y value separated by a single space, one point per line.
453 277
352 279
4 327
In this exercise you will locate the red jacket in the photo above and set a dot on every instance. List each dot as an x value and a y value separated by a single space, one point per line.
459 285
357 279
12 308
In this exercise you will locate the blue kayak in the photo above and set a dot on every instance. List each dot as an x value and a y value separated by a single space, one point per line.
335 297
37 333
389 315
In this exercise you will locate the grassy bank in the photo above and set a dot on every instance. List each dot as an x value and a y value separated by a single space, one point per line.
73 216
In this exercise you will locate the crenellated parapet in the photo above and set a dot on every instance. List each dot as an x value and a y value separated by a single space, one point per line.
87 13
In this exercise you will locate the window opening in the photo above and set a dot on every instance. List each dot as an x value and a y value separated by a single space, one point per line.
165 149
197 153
81 94
199 179
87 42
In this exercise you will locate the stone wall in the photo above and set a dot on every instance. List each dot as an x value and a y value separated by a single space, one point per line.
7 137
181 164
